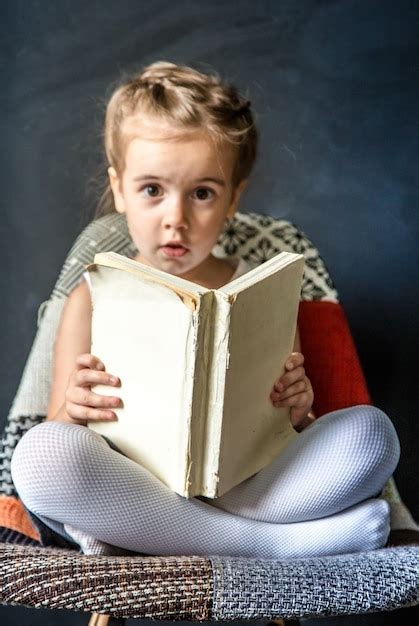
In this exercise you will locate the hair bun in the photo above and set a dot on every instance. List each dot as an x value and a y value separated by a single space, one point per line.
155 79
148 83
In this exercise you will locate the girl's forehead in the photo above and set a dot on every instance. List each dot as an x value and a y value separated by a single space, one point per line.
151 142
156 129
163 143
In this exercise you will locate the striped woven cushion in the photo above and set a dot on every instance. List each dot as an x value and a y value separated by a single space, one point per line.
213 588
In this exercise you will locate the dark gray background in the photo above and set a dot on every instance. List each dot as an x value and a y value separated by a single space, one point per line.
335 86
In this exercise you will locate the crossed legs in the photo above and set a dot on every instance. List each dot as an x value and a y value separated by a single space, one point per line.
319 497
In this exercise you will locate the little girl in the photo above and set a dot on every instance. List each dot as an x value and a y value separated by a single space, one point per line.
180 146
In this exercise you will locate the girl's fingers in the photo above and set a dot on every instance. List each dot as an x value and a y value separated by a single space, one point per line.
289 379
81 402
299 400
295 389
89 360
94 377
87 413
294 360
82 396
293 364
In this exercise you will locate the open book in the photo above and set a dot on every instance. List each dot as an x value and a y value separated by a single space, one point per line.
197 367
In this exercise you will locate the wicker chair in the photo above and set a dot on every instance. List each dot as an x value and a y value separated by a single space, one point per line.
40 574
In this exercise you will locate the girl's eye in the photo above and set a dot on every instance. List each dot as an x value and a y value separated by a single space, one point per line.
202 193
153 189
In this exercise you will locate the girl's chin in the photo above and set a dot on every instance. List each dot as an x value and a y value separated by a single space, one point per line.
177 265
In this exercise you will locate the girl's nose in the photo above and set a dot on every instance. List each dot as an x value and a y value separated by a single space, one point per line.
176 214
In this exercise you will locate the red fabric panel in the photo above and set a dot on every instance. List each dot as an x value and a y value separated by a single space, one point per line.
331 359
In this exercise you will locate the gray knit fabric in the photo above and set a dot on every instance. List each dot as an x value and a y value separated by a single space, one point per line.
360 583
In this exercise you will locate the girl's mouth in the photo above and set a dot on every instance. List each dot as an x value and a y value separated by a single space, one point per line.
174 250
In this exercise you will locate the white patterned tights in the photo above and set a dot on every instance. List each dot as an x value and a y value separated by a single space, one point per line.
319 497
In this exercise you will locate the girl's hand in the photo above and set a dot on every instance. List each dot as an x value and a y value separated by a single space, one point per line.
294 389
83 404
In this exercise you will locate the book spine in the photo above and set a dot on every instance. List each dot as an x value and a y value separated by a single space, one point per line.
218 362
199 408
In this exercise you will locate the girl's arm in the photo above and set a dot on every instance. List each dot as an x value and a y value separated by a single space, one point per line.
76 370
73 339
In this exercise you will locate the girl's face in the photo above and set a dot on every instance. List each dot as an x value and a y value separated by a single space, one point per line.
176 193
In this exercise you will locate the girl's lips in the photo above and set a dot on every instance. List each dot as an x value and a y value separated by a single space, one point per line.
174 251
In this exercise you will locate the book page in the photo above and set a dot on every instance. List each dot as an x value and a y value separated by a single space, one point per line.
188 291
144 333
262 330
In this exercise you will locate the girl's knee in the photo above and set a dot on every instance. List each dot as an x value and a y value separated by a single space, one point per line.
46 452
42 439
373 435
378 431
362 432
29 450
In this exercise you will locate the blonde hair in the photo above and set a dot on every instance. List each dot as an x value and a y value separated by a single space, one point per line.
188 100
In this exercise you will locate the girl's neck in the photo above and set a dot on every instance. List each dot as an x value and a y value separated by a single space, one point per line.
217 274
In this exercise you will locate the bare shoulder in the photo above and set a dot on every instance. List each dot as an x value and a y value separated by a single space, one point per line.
78 305
80 296
77 316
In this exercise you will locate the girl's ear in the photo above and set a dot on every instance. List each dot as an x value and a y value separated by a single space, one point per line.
116 190
236 197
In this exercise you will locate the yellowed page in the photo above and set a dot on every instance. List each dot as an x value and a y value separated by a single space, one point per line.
261 334
145 334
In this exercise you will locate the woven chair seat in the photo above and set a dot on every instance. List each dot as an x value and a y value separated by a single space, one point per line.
214 588
36 574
